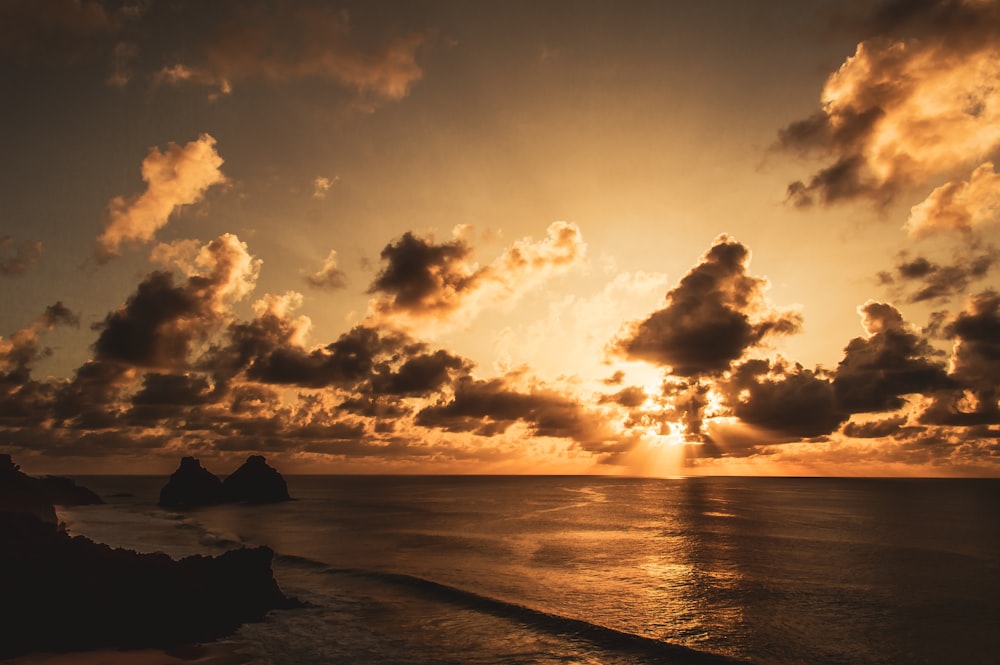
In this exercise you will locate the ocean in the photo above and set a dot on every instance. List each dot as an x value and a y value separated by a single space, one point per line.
530 569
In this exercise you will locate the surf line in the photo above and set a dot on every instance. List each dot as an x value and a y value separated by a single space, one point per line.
601 636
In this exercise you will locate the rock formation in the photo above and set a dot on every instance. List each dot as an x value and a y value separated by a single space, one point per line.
65 492
255 482
20 494
63 593
191 485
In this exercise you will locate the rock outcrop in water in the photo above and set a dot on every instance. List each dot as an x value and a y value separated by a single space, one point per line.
190 486
63 593
255 481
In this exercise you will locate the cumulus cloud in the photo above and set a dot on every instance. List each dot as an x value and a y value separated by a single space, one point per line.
423 280
15 259
975 366
888 363
786 399
958 206
176 177
282 44
329 276
158 324
915 102
711 318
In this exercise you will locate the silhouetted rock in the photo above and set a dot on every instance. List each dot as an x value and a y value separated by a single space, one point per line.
191 485
19 493
65 492
63 593
255 482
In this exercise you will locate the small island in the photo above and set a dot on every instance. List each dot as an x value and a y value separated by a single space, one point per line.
192 485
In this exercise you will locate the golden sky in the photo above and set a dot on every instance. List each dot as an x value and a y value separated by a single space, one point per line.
637 238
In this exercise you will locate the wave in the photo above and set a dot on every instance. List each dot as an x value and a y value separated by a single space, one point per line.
208 538
601 636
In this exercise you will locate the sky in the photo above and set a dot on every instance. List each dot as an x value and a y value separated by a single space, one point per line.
634 238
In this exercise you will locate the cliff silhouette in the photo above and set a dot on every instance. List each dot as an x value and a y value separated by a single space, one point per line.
68 593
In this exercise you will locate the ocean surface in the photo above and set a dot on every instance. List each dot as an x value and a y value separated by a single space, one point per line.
486 570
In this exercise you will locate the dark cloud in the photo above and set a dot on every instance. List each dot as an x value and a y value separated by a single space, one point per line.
789 400
420 275
58 314
420 374
346 362
629 397
155 327
158 324
15 259
975 366
711 318
24 347
179 389
423 280
252 398
878 370
93 398
689 401
329 276
490 407
946 18
919 279
876 429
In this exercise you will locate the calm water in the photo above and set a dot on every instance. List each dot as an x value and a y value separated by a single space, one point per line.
578 569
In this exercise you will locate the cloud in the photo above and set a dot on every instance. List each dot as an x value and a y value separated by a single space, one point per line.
919 279
23 348
174 178
49 28
958 206
419 374
789 400
122 57
490 407
711 318
158 324
280 45
889 362
329 276
15 259
975 366
322 185
424 281
916 101
875 429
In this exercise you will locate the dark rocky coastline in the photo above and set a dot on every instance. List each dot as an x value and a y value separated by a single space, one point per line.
65 593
